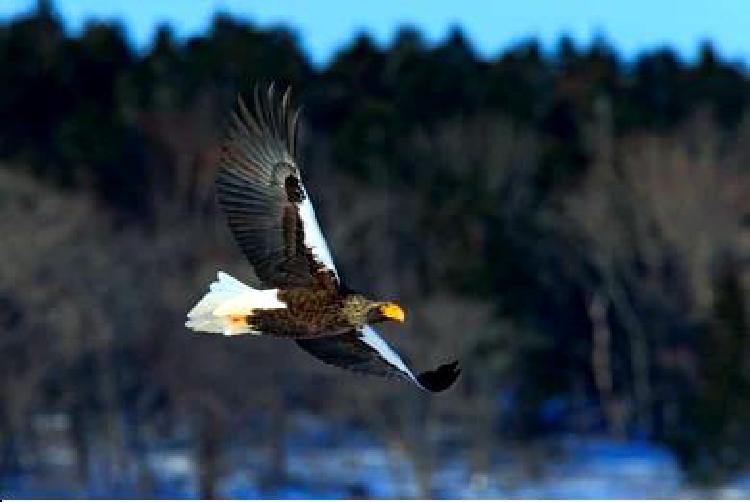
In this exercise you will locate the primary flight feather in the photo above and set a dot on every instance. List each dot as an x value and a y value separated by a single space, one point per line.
260 188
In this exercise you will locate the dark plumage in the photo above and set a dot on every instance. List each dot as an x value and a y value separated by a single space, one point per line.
260 188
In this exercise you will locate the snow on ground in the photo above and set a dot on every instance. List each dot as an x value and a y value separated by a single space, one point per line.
321 467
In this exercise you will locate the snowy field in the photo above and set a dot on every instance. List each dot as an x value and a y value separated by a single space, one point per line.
319 467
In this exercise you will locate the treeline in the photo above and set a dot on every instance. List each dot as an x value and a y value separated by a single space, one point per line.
80 107
572 224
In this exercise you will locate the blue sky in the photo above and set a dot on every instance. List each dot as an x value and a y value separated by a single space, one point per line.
325 26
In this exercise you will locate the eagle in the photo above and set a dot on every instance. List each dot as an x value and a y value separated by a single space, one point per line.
259 187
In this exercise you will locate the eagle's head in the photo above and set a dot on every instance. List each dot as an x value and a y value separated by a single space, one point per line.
359 311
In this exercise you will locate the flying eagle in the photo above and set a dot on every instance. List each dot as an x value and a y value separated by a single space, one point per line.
260 188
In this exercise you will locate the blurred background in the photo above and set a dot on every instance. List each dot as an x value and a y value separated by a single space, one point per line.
558 195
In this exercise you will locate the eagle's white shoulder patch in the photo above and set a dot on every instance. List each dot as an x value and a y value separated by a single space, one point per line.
314 239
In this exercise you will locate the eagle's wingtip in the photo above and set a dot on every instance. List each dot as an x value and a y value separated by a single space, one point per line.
441 378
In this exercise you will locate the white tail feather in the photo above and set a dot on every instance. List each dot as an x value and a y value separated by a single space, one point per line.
224 308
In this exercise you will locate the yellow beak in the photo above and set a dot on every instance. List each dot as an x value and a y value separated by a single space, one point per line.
393 312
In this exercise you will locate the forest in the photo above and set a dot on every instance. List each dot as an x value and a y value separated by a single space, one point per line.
574 226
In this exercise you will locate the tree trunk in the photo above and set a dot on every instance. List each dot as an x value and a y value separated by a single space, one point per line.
208 455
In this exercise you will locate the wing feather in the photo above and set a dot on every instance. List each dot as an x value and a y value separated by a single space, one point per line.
365 351
259 186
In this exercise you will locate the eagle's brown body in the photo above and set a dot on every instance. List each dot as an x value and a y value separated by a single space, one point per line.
311 312
319 311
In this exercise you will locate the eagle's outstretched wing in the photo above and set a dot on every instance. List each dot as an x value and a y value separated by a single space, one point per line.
260 188
364 351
